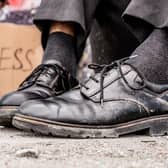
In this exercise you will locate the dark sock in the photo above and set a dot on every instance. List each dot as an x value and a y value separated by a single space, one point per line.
61 50
152 59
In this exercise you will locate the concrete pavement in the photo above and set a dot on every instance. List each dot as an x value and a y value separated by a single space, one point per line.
134 151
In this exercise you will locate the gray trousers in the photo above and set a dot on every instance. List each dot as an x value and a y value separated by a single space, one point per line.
107 22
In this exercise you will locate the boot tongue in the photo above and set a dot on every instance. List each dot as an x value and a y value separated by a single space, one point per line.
48 77
57 79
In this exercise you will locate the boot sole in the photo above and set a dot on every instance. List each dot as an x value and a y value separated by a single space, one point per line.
6 115
154 126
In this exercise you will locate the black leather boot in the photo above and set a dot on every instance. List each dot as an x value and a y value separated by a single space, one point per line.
45 81
117 101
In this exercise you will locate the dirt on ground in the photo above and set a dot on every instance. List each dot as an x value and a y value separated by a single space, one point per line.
27 150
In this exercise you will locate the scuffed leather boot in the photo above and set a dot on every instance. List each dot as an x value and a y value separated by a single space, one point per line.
45 81
117 101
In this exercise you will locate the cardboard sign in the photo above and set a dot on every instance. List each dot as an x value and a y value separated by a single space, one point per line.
20 53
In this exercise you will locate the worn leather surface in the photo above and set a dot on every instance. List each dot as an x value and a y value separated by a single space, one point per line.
121 103
50 81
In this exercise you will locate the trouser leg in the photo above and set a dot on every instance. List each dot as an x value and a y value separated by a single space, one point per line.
112 37
152 11
80 12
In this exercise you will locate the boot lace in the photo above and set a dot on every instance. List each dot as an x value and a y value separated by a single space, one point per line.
103 69
44 70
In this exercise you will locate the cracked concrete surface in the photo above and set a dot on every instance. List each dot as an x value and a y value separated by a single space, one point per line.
132 151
